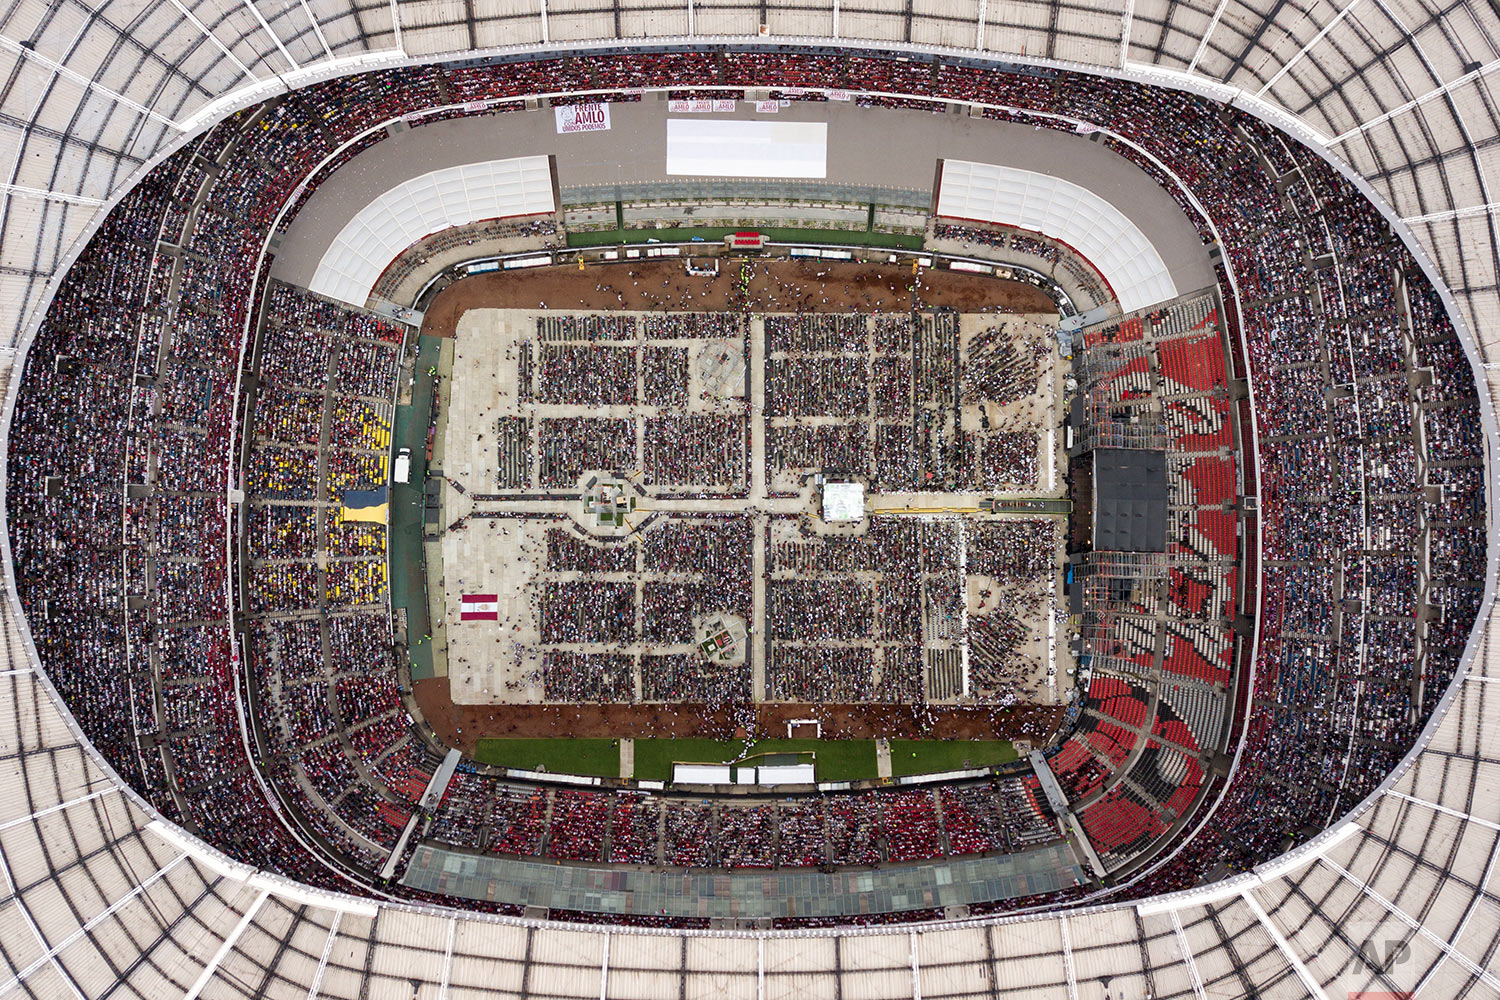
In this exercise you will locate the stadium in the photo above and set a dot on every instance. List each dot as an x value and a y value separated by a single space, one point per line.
898 500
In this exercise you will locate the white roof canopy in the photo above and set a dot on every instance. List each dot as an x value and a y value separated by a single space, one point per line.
1065 212
424 205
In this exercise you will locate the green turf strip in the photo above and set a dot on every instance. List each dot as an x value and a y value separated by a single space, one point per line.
947 755
596 758
835 760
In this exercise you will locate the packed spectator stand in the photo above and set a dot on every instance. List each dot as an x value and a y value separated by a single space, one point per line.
989 816
122 451
1157 629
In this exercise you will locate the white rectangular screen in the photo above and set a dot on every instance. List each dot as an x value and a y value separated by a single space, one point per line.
707 148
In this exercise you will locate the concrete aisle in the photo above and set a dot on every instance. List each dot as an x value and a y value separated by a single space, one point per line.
627 758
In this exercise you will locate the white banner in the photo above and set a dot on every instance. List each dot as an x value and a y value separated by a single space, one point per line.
768 107
839 95
702 106
582 118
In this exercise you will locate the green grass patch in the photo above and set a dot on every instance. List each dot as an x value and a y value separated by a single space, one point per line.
715 235
929 756
834 760
654 757
595 758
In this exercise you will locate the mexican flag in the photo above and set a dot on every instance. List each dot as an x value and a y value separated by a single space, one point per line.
479 608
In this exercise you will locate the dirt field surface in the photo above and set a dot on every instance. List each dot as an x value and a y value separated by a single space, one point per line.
460 726
775 286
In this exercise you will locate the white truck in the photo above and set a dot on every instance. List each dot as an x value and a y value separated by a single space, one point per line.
401 470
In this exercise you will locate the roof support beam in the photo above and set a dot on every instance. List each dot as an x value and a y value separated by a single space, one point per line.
68 941
1213 23
333 933
1447 810
1292 958
27 52
1457 957
1458 119
1187 956
1322 33
59 807
226 946
1067 943
267 29
17 191
396 26
604 969
317 29
1416 102
1447 216
36 932
916 973
190 16
448 958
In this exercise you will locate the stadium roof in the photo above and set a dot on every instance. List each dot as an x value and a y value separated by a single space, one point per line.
99 896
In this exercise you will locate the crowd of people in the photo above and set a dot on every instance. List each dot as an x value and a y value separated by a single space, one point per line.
569 676
827 373
567 447
665 378
586 375
1084 285
587 611
835 447
817 333
835 386
688 678
315 443
917 595
689 570
601 361
991 816
702 452
569 552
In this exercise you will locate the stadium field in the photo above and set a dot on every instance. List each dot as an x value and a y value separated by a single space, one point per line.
931 756
598 758
834 760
